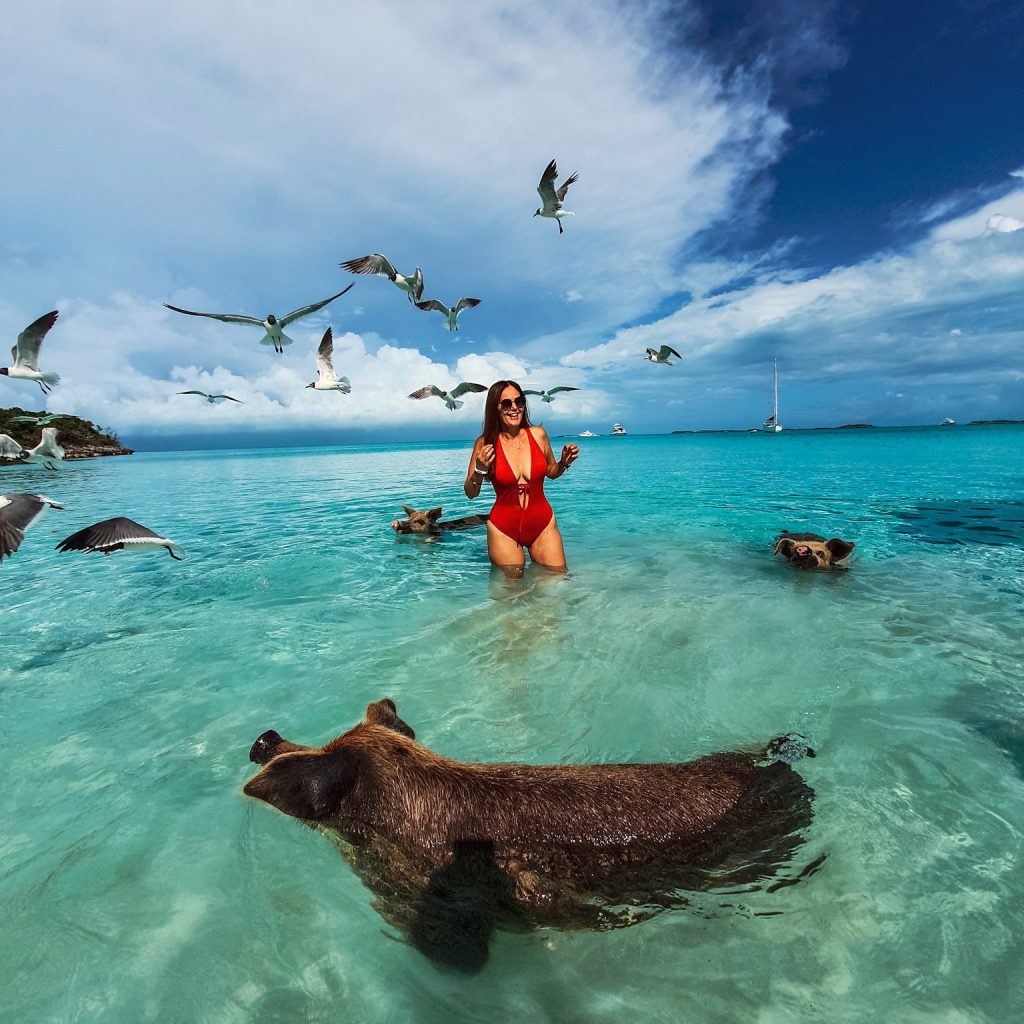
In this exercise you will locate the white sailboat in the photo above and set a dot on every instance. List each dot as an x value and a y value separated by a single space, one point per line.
772 425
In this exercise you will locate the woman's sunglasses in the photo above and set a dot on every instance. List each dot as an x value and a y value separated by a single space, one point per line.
505 405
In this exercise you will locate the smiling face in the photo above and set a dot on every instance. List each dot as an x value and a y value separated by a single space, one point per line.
509 413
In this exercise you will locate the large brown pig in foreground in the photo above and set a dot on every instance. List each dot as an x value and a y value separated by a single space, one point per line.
453 850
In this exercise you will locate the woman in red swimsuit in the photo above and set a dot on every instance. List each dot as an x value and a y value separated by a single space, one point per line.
516 458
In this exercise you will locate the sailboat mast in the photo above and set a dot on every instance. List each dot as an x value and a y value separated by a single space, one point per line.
775 407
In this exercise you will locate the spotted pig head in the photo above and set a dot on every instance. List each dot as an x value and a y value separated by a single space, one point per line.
417 522
809 551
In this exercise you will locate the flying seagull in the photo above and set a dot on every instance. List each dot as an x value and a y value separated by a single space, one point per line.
326 378
18 511
40 421
10 450
662 355
452 314
26 354
380 265
273 327
118 534
553 198
549 395
213 399
448 396
47 453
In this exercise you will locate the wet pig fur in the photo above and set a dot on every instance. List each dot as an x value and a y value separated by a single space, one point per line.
428 522
453 850
811 551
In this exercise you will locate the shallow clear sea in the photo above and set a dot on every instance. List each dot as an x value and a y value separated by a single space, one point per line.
139 884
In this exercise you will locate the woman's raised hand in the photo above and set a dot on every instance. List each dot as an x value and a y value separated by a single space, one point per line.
570 453
485 458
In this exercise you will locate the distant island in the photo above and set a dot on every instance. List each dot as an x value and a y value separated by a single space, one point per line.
755 430
989 423
80 439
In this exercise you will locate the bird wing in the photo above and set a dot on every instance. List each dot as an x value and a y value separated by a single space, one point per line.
18 511
432 304
428 391
48 444
228 318
27 419
107 534
527 391
460 389
375 263
230 399
324 362
466 303
666 351
203 393
546 188
9 448
554 391
417 285
26 348
560 194
306 310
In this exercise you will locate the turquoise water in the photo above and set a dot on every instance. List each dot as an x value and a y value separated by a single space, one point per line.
139 884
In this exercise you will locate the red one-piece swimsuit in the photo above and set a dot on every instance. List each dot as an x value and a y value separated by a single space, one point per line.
520 510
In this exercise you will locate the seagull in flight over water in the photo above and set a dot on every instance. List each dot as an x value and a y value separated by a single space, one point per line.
662 355
18 511
549 395
47 453
326 378
272 326
450 397
39 420
118 534
213 399
553 198
452 314
26 354
378 264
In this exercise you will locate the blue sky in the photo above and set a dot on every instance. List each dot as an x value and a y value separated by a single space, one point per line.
840 186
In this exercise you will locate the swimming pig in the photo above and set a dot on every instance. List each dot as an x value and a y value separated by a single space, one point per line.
452 850
427 522
809 551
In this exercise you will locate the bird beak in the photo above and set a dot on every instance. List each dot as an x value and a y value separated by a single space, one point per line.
310 385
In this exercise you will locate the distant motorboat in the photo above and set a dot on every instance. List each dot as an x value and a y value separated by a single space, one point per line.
588 433
618 430
948 422
772 425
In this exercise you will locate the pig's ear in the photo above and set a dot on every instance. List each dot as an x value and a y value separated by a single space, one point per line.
839 549
434 514
408 511
383 712
309 786
784 546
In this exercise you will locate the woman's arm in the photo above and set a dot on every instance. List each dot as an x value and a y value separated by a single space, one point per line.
481 460
556 467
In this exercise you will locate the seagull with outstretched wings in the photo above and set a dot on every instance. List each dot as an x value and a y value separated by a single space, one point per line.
212 399
25 354
450 397
549 395
40 420
119 534
273 328
377 263
47 453
551 197
450 315
662 355
326 378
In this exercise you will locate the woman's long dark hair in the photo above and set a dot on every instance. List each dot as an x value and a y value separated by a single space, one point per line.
492 417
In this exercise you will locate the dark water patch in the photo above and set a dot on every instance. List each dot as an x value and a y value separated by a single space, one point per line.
997 524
